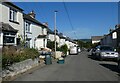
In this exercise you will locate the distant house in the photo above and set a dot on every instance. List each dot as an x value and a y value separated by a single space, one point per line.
96 39
51 36
35 33
11 23
70 43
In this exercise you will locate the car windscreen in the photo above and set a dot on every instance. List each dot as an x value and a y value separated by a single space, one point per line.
106 48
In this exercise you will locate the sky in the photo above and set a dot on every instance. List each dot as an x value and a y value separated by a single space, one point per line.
88 18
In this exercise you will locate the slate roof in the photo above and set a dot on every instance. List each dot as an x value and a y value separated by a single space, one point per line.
50 31
27 17
6 27
13 5
96 38
61 36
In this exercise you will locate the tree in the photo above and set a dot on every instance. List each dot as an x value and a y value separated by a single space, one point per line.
51 44
64 48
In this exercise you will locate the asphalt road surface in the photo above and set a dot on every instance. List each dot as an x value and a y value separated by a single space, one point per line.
76 68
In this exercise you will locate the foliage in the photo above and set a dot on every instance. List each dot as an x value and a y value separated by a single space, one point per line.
22 43
51 45
87 44
95 44
84 44
64 49
11 55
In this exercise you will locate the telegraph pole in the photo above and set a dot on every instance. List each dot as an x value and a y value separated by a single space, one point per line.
55 12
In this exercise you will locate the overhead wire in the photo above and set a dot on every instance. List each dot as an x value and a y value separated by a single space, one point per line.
65 7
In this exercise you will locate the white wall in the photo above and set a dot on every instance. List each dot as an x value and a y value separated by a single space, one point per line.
93 42
44 31
36 30
51 37
62 42
57 39
67 43
40 43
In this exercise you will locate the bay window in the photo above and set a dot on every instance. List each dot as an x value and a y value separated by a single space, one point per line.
9 38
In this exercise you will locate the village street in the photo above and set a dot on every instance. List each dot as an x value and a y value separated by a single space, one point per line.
76 68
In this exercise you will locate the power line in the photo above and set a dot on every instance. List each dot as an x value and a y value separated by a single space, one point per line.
69 18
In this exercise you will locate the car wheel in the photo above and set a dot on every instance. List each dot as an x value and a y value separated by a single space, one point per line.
100 58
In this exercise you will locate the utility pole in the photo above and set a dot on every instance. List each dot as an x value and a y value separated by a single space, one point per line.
55 12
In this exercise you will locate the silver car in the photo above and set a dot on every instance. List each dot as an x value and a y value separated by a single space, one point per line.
106 52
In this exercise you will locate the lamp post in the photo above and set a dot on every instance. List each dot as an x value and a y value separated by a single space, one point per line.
55 12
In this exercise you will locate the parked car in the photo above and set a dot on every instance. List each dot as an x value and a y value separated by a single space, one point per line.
92 51
106 52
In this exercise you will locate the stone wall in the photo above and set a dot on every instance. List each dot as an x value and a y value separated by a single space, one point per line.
20 67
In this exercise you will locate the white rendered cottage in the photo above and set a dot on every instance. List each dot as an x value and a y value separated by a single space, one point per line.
11 20
33 29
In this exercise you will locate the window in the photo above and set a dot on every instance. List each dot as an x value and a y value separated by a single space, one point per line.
8 39
114 35
13 15
27 27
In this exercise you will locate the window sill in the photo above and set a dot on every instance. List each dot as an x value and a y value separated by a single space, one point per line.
14 21
29 32
9 44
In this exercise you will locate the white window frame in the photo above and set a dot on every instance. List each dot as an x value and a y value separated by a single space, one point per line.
9 35
27 27
13 15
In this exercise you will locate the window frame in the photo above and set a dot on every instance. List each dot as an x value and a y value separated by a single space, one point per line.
27 26
9 35
13 15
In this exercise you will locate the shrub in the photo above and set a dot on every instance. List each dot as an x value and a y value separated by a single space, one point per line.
11 55
64 49
51 45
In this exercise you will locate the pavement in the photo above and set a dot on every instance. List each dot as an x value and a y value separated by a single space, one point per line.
79 67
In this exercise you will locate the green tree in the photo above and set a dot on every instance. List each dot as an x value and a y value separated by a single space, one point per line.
64 48
51 44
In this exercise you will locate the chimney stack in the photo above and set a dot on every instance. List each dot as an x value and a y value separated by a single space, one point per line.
117 26
46 24
32 14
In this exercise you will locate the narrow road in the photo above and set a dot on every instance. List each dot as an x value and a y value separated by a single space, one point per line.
76 68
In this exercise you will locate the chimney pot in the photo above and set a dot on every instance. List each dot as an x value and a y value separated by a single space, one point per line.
32 14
